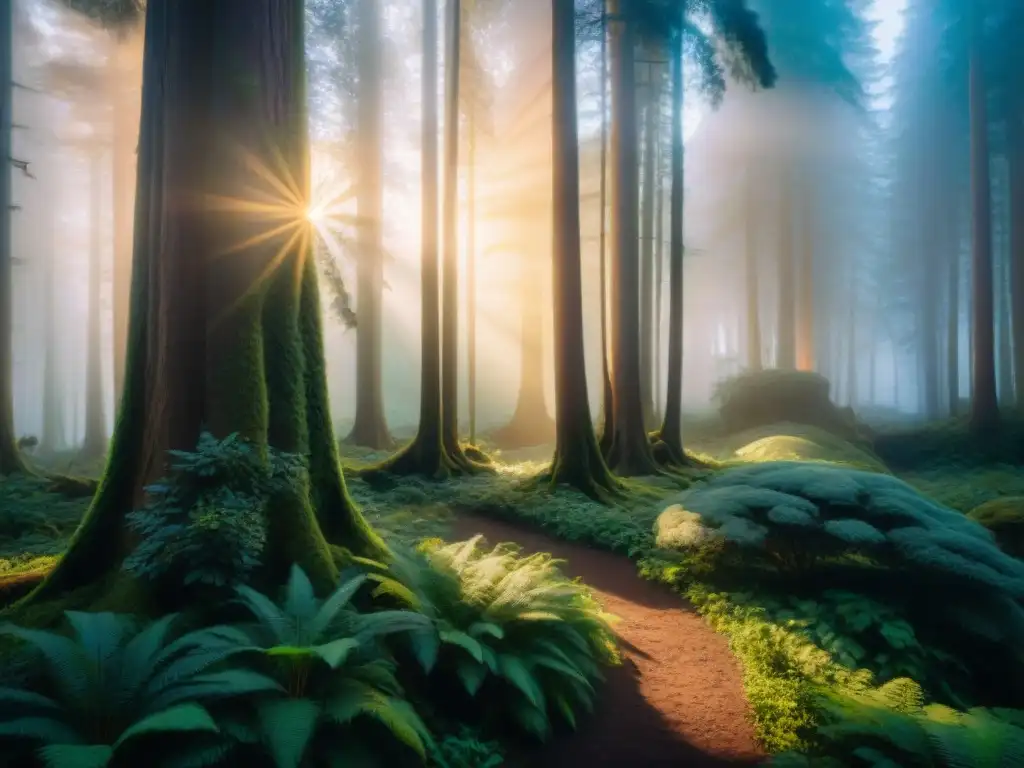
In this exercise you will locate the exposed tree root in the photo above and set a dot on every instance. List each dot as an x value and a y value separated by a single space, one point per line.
427 457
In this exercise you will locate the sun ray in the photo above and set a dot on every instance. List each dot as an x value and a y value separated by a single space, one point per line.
261 237
290 195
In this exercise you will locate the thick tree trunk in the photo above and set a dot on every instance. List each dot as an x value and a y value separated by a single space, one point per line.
11 459
471 266
225 329
95 442
785 348
577 459
370 428
630 450
659 270
647 206
984 405
754 360
671 432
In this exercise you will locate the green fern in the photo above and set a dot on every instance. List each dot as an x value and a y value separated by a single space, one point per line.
332 672
114 685
498 617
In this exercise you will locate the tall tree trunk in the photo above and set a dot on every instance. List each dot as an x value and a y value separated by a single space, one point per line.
929 297
804 310
984 405
471 263
851 338
577 459
671 432
785 349
125 138
11 459
647 206
659 267
630 449
1005 389
754 359
1015 148
52 437
370 428
607 428
95 443
232 344
450 219
426 455
953 324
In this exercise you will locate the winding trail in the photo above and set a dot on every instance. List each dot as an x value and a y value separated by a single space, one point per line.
677 699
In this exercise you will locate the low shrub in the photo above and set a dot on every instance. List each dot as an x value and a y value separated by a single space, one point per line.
521 640
801 442
1004 517
812 527
757 398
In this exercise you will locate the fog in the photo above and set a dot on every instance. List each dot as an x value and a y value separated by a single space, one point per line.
802 227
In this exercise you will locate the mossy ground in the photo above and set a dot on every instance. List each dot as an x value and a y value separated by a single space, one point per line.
779 665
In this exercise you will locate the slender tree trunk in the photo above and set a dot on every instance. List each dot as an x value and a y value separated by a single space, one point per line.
607 428
851 338
671 432
754 361
229 343
577 459
1006 395
659 268
471 264
785 350
804 310
11 459
370 428
929 296
426 455
52 437
95 443
123 156
1016 157
630 449
450 218
647 206
984 405
953 326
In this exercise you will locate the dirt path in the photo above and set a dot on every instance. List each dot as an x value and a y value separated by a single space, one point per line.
677 700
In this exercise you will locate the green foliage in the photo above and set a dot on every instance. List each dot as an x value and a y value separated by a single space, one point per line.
511 630
465 749
1004 517
797 442
815 524
114 687
205 523
889 727
860 632
951 445
332 673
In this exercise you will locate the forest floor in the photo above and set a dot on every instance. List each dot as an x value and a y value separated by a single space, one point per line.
679 697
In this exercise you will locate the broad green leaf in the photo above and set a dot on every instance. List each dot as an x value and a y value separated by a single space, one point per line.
337 651
472 674
516 672
401 719
182 718
334 604
464 641
288 725
76 756
43 729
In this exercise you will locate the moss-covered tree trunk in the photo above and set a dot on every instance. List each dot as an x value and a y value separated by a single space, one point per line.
751 280
671 432
984 405
225 327
629 452
370 428
10 457
95 442
577 460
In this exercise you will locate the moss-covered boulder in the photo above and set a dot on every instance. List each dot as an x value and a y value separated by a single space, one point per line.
800 442
807 528
773 396
1005 519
